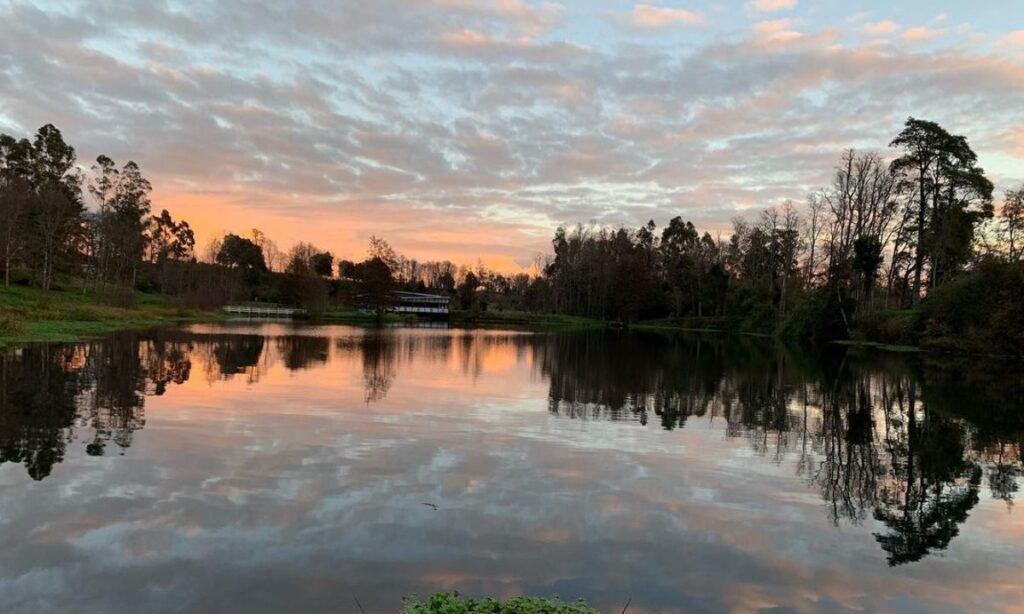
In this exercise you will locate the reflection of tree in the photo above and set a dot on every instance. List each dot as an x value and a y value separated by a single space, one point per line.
931 490
861 431
37 405
848 475
236 354
379 363
301 352
614 376
50 393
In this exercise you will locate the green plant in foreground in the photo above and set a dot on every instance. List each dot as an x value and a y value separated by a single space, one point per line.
453 603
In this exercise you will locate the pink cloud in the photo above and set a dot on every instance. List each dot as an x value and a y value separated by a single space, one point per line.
466 37
647 16
768 6
885 26
1013 38
920 34
777 30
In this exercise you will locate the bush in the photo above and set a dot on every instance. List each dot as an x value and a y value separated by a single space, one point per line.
10 326
817 317
750 311
81 314
893 326
979 312
117 296
452 603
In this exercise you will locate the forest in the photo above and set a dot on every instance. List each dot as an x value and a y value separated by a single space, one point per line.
908 245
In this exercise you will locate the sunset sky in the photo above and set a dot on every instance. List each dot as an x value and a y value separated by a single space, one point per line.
471 128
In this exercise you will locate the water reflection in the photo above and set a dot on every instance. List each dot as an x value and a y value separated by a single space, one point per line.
905 449
53 396
905 441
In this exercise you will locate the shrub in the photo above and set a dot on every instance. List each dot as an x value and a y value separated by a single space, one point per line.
893 326
10 326
452 603
817 317
978 312
117 296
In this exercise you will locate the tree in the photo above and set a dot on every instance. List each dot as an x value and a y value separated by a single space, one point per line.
867 257
381 250
303 284
122 227
273 256
15 196
467 291
941 170
240 253
323 264
56 218
346 269
922 143
169 240
375 285
53 160
812 231
1013 217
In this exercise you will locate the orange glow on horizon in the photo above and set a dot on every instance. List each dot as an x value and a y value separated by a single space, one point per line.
344 234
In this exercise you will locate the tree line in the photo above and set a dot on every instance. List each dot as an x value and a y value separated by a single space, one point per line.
46 228
885 234
882 236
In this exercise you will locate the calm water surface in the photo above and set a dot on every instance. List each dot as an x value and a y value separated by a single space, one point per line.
271 468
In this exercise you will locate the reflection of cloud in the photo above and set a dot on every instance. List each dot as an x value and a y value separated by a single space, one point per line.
291 493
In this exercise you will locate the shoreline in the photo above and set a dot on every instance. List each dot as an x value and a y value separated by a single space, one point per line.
29 315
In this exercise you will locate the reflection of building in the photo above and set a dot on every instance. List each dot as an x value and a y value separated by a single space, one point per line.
420 304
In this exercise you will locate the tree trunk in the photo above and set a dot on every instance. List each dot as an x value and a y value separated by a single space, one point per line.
919 252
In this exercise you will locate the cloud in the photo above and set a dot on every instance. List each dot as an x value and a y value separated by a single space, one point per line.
1015 39
777 30
880 28
647 16
462 129
769 6
920 34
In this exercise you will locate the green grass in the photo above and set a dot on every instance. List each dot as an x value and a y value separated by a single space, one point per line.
30 314
524 320
888 347
453 603
348 315
696 325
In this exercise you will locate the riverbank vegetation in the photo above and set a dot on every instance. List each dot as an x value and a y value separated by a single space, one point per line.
64 314
903 248
452 603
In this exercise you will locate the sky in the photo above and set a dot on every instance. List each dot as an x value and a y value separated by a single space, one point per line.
470 129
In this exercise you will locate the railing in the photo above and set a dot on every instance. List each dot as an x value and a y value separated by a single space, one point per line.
264 312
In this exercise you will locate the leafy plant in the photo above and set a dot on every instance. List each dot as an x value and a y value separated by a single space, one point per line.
453 603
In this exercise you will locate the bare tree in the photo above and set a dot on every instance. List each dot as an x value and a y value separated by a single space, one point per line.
15 194
812 231
1013 217
57 217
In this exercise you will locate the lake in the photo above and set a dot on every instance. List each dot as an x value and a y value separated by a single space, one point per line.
271 467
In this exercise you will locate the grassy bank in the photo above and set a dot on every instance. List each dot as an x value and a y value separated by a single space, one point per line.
351 316
30 314
524 320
